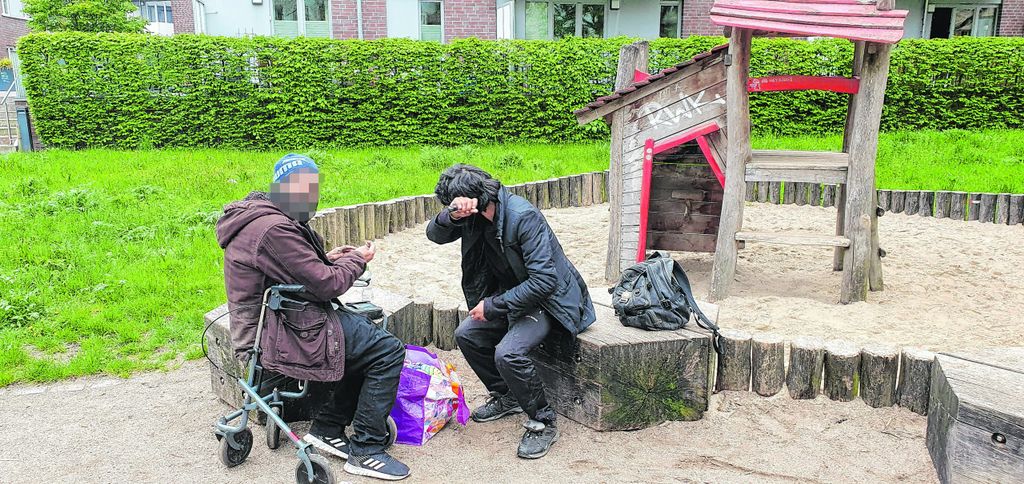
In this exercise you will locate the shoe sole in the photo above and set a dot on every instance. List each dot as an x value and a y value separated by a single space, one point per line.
506 413
362 471
321 445
542 454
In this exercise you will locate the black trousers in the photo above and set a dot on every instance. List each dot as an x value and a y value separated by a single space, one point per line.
497 351
364 397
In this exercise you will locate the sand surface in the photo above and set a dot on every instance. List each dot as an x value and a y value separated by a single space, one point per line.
156 427
948 285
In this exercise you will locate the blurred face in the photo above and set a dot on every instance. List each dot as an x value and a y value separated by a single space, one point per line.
297 195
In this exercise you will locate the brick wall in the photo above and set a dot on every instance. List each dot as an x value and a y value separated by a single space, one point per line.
184 22
344 23
1011 22
470 18
11 29
697 18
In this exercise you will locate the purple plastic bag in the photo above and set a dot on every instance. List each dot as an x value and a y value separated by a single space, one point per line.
429 394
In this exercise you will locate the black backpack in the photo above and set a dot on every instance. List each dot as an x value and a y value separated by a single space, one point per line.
655 295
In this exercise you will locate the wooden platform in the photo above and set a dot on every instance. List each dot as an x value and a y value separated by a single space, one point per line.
617 378
976 416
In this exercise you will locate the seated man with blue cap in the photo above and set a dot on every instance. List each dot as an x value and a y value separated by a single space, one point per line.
267 241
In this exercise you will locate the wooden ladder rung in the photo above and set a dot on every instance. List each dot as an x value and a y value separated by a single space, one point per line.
798 166
794 239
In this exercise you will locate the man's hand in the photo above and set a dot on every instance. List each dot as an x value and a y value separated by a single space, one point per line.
463 206
337 252
367 251
477 312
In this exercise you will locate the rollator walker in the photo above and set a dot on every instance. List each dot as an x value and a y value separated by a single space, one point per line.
236 440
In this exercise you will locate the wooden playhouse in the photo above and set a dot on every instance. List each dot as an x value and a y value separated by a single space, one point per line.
680 149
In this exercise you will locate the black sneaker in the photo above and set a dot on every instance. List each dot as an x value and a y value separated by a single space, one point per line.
537 440
333 445
496 407
380 466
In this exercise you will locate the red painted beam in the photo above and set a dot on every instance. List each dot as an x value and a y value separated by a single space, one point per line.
845 85
645 198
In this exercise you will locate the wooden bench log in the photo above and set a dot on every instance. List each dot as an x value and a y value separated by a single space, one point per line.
911 202
958 205
974 206
925 207
614 377
767 364
734 361
1002 208
942 204
976 416
879 364
564 192
445 319
915 380
842 371
897 200
1016 215
987 209
806 363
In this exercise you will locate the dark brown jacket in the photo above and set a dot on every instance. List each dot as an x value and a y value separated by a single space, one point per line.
263 247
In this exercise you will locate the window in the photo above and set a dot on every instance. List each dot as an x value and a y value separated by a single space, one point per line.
669 20
430 21
947 20
12 8
554 20
308 18
155 11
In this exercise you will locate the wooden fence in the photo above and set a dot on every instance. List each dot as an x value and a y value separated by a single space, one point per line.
1000 208
882 376
355 224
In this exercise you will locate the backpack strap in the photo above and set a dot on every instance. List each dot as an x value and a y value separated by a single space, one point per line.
702 320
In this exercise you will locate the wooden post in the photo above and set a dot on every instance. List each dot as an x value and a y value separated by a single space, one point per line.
734 362
860 187
801 193
738 134
421 333
878 375
775 193
842 371
839 252
806 362
942 207
420 206
751 195
897 201
632 58
924 206
915 380
445 319
762 192
910 204
988 208
1002 208
564 192
603 186
789 193
1016 215
370 220
958 206
388 213
543 195
587 190
973 206
875 282
576 191
815 193
828 199
767 364
410 212
885 199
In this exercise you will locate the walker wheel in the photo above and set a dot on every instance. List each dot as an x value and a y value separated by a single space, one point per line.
392 432
272 430
322 473
230 456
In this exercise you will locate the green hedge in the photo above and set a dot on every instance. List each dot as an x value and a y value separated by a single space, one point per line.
131 91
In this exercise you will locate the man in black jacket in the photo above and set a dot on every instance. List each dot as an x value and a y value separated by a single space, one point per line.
521 287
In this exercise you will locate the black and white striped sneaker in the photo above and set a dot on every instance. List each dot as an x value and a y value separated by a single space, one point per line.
336 446
380 466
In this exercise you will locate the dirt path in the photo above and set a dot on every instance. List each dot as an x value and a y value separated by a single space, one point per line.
155 427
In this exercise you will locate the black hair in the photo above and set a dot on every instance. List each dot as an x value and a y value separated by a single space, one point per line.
467 181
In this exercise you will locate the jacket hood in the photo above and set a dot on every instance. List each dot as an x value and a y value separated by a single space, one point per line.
237 215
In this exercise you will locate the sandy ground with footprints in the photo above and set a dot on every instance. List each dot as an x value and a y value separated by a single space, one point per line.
949 285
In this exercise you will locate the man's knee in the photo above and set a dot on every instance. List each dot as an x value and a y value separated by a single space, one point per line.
508 356
463 334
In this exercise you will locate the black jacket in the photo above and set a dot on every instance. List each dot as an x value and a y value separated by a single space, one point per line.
544 276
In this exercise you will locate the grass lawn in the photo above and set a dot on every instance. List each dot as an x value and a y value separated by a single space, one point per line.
108 259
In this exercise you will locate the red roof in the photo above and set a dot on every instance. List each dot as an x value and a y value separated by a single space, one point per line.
601 101
847 19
